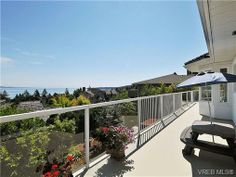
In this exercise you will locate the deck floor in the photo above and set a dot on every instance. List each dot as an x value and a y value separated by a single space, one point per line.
162 156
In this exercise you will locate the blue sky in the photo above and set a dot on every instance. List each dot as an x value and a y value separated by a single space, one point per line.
75 44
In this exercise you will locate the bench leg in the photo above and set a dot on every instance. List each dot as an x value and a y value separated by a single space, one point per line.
232 146
230 142
188 150
194 136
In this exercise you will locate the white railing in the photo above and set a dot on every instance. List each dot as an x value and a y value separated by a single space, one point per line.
150 109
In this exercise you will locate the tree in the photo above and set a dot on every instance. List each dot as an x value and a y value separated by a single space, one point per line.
4 96
67 93
60 101
81 100
36 95
44 93
49 99
147 90
16 100
171 88
121 95
162 88
44 97
26 96
77 92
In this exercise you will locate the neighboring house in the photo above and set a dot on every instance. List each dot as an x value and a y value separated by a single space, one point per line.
99 95
193 66
110 92
30 105
219 26
167 80
88 94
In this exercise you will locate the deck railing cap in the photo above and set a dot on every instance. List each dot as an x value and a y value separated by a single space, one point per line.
48 112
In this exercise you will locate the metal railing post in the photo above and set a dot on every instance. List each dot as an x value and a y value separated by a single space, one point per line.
187 98
181 99
199 94
156 107
139 116
192 96
162 110
173 102
86 129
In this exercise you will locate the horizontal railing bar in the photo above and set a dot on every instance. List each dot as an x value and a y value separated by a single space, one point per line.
48 112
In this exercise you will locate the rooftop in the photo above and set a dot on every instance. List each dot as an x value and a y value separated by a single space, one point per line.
162 154
30 105
201 57
167 79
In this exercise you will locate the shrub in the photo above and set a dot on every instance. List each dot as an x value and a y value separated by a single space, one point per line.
65 125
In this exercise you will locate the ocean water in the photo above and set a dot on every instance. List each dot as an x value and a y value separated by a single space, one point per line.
12 91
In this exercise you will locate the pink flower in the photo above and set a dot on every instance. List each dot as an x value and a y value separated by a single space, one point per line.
105 130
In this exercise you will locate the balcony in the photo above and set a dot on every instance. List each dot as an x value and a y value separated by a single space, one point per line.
157 122
162 155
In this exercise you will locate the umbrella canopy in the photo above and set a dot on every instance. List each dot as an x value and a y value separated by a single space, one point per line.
207 78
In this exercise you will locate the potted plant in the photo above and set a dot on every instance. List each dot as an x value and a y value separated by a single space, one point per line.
115 139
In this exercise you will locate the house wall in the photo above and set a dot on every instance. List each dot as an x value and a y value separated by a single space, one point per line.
223 110
204 108
220 110
218 21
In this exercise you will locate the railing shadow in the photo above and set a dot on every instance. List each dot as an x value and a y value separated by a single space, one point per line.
145 136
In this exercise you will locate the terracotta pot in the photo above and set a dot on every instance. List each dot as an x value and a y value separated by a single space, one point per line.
116 154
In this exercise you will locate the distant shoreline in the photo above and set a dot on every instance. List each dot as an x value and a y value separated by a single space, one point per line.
13 91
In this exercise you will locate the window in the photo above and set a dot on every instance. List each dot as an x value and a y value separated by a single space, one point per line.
206 93
223 70
223 92
223 88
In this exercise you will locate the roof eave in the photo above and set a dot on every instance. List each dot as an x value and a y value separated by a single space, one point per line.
205 19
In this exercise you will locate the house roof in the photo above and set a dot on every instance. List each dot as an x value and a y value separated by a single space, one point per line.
88 92
201 57
111 92
167 79
30 105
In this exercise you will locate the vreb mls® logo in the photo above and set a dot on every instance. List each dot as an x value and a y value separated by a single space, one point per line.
212 171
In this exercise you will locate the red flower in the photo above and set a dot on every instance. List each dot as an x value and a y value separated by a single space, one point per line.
105 130
69 158
55 166
55 173
48 174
